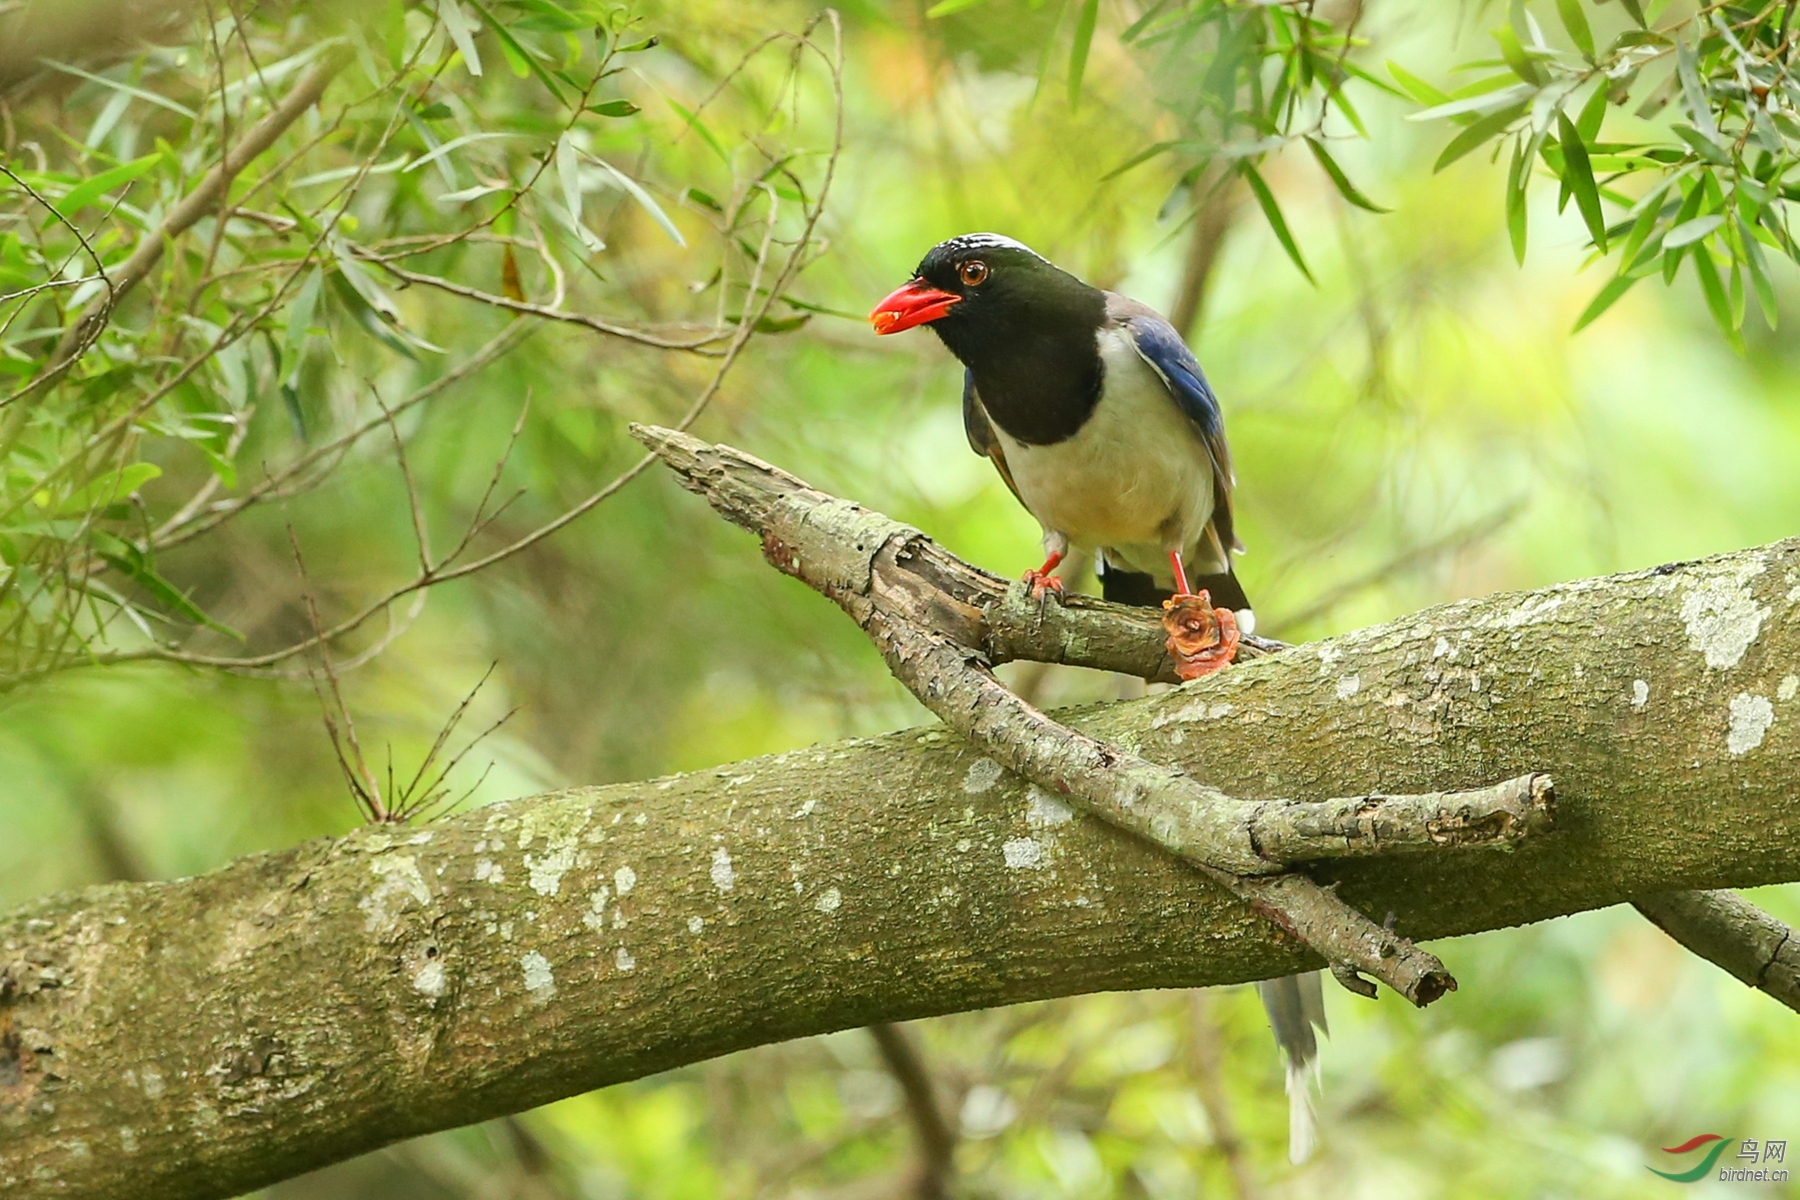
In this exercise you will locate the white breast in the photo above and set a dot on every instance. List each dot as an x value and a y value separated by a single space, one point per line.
1134 481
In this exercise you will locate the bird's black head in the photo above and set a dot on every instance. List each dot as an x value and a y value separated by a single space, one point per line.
986 294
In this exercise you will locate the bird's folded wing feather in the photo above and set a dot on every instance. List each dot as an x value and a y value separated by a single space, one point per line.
1159 344
981 434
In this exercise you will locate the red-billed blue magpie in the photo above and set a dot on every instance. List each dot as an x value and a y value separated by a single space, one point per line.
1097 416
1102 424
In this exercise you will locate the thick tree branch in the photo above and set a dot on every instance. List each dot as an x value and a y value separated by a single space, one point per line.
912 601
202 1037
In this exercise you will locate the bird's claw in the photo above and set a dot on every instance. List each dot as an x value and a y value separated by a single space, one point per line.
1202 639
1040 582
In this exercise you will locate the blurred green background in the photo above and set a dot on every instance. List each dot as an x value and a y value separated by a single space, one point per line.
1417 427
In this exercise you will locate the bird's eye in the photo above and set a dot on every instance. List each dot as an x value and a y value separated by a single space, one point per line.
973 273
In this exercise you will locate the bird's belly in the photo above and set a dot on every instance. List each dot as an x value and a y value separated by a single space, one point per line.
1135 474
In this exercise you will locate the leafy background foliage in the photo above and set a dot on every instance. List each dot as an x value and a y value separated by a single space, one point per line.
440 295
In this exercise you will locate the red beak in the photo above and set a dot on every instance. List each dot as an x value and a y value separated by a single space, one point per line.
915 304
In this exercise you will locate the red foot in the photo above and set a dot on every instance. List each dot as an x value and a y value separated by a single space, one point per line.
1202 639
1042 581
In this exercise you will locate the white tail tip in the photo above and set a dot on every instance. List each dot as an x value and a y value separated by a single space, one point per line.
1303 1130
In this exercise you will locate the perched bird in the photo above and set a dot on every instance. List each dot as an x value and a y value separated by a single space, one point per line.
1096 415
1102 424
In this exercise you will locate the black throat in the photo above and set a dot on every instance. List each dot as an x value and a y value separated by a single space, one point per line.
1035 358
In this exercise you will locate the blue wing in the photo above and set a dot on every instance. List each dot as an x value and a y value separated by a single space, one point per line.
1161 346
1163 349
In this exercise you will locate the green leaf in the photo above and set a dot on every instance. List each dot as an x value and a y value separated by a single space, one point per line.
614 108
1716 301
126 88
436 112
645 200
1272 211
1694 92
1575 21
1637 12
439 152
1593 114
1759 272
1142 156
945 7
698 126
300 316
457 26
1516 179
1421 91
1579 175
90 190
1607 296
1078 51
1521 63
1692 230
1704 146
128 561
1347 189
518 52
1479 102
108 489
1480 131
568 174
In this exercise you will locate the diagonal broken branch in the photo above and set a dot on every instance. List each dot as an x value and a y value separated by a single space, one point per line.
1732 933
940 624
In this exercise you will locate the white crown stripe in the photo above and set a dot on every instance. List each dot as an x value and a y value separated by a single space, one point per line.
976 241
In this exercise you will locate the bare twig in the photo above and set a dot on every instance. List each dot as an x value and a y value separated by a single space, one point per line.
1204 1057
932 1134
196 204
1727 930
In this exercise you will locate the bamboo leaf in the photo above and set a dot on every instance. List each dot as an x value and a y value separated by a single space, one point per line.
456 24
1481 103
645 200
1421 91
1593 114
1579 175
1692 230
1484 130
1272 211
90 190
1716 301
1759 272
1516 178
1694 92
108 489
509 42
1345 188
1575 21
1604 300
1078 51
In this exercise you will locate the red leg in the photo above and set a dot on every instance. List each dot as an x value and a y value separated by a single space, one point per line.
1041 580
1181 583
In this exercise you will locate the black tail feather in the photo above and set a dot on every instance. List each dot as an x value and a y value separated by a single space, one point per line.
1140 589
1132 587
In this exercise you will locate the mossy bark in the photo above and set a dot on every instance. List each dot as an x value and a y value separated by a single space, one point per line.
201 1037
